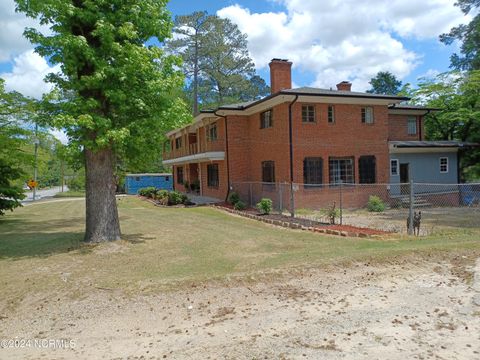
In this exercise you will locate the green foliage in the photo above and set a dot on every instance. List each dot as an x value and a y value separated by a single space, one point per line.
331 213
149 191
10 196
457 96
215 60
162 197
177 198
77 182
265 206
240 205
375 204
385 83
468 35
233 198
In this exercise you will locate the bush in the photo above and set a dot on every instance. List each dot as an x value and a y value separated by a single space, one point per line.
265 206
162 197
331 213
233 198
77 183
240 205
176 198
375 204
148 191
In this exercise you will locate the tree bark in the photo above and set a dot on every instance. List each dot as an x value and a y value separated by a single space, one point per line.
101 207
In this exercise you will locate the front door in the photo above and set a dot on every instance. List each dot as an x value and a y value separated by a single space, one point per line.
405 178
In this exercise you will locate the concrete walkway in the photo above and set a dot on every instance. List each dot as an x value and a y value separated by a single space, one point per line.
202 200
43 194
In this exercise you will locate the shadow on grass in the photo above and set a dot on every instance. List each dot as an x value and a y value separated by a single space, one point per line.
30 238
136 238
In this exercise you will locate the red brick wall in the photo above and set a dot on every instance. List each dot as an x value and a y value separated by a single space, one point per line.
398 128
221 191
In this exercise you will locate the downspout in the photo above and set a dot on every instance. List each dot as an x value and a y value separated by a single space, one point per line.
290 136
226 150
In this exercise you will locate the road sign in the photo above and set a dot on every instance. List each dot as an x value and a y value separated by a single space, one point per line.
32 184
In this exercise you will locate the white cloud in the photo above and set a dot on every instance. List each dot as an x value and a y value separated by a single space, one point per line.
28 73
344 39
60 135
12 25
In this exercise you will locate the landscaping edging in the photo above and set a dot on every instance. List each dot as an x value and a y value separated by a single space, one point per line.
291 225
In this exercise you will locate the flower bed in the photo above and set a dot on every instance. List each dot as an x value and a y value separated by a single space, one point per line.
304 224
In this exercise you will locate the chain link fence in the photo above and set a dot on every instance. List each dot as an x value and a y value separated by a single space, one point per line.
387 207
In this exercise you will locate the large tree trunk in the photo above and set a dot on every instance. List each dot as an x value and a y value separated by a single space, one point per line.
102 214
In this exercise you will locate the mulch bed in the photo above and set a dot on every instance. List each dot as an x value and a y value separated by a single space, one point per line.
304 224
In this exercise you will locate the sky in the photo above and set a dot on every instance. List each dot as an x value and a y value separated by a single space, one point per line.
328 41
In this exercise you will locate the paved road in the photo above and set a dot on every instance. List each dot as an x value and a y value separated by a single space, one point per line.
43 194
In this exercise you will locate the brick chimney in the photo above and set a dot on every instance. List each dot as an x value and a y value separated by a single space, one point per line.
280 75
344 86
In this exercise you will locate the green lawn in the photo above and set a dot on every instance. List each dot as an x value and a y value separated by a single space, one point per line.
41 248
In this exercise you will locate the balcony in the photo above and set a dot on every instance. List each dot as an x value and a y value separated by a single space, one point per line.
196 152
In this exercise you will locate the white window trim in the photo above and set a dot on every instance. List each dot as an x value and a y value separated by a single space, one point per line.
397 162
440 163
412 119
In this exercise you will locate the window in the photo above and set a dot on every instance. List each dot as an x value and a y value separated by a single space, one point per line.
341 170
331 114
268 171
212 132
137 178
178 143
312 171
308 113
444 165
266 119
167 178
180 175
367 169
412 126
212 175
394 167
367 115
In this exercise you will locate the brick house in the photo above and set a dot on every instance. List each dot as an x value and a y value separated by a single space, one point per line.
306 136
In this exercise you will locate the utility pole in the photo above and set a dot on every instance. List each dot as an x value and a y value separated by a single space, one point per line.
36 141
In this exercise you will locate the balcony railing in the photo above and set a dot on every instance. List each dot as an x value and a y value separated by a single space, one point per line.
195 148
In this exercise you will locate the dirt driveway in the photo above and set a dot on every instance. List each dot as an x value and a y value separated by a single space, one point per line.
409 309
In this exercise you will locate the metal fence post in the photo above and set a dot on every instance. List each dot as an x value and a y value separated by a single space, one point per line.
410 209
292 200
280 198
341 203
250 193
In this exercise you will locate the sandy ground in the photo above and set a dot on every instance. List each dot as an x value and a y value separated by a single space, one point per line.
409 309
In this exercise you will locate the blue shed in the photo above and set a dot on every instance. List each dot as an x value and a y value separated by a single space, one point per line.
135 182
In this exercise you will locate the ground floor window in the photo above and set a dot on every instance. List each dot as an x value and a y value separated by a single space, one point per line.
312 171
180 175
341 170
444 165
212 175
394 167
367 169
268 171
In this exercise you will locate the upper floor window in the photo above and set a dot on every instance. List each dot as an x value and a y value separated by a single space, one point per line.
212 132
444 165
412 126
268 171
308 113
367 115
341 170
178 143
367 170
331 114
266 119
313 171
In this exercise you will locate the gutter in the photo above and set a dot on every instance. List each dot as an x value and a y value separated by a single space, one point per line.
227 153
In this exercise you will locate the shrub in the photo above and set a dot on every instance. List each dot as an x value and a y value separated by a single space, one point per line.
148 191
233 198
162 197
195 185
77 183
186 184
375 204
331 213
176 198
265 206
240 205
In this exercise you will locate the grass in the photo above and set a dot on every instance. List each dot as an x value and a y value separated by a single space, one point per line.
70 193
41 248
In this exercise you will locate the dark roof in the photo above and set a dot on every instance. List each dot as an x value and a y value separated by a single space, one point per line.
411 107
306 91
432 144
330 92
